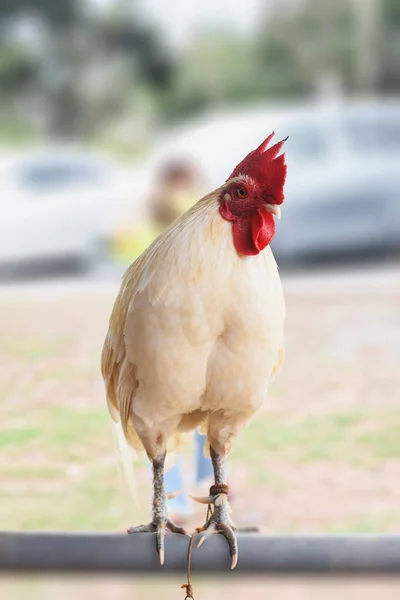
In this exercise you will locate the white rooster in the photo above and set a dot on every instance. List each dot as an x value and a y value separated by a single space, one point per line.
196 333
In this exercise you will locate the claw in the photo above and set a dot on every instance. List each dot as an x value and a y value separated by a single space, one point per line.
227 532
160 541
160 526
203 499
172 495
208 533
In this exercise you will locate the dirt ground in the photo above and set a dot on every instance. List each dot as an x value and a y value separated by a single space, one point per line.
169 589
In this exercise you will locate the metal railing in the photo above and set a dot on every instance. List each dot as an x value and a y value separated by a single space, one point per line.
258 554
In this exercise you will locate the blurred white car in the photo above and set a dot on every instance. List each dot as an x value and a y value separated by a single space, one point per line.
320 133
57 204
353 211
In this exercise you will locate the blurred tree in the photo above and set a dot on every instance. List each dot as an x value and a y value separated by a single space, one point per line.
300 43
59 13
71 68
83 65
140 45
17 68
224 66
356 42
389 71
299 48
216 67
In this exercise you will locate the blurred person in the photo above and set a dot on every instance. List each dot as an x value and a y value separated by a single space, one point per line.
177 187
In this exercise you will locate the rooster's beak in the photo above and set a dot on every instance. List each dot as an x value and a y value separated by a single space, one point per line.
274 209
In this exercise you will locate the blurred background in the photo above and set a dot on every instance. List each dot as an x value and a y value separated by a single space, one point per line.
117 115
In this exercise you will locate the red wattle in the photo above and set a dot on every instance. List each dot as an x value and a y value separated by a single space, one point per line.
243 236
262 229
251 233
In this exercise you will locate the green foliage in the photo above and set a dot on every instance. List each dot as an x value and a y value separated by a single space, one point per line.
216 66
390 45
17 68
59 14
95 66
15 131
85 64
357 42
298 46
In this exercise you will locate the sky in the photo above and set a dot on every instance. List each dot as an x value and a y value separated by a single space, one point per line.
179 19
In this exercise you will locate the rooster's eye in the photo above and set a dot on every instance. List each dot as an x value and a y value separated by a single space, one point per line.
241 192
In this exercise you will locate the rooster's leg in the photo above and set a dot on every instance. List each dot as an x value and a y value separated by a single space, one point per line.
160 522
219 521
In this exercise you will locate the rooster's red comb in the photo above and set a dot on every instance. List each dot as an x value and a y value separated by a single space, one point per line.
266 168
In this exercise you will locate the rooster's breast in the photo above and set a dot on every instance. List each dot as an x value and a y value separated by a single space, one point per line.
245 356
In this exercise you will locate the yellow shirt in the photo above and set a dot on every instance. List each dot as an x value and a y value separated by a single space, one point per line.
128 244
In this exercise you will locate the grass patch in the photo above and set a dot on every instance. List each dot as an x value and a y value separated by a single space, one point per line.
69 425
18 437
79 507
384 442
352 436
384 522
306 439
36 350
61 433
29 472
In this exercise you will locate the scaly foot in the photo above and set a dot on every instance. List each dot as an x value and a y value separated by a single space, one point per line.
219 521
159 527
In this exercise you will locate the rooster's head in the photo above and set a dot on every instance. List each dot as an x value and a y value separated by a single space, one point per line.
251 197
